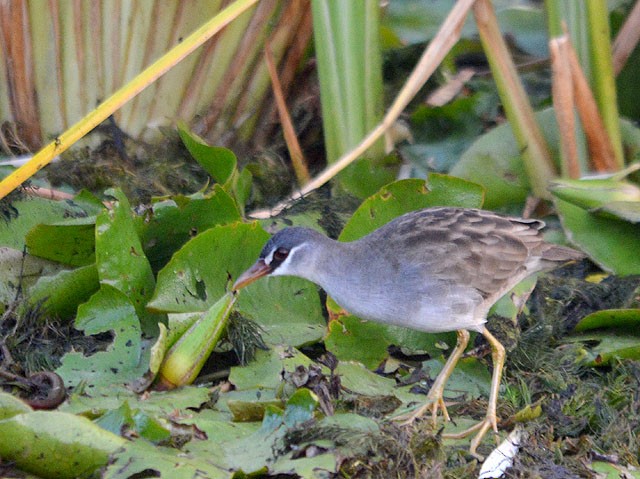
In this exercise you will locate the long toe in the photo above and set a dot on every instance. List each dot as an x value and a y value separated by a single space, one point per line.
434 404
480 429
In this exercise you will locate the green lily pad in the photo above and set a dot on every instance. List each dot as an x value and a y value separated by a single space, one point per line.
140 459
61 294
611 243
56 444
443 133
265 371
198 274
20 272
180 218
96 401
365 176
495 161
71 242
354 377
300 407
219 162
91 204
352 338
107 310
288 309
24 215
626 319
134 421
121 261
611 345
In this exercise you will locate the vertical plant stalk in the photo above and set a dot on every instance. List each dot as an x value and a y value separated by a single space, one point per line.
601 151
603 79
563 15
536 156
571 16
346 37
626 39
295 152
563 102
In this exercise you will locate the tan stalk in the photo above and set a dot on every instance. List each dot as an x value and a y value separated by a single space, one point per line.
535 154
563 103
124 94
297 17
626 39
295 152
438 48
601 152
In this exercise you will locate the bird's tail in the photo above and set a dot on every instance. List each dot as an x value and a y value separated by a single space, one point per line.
561 254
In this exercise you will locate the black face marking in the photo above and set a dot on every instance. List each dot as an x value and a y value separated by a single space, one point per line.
279 256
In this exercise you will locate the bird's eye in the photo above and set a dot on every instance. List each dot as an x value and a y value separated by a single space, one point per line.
280 254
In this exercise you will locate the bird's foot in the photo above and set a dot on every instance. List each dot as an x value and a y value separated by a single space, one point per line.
480 429
435 402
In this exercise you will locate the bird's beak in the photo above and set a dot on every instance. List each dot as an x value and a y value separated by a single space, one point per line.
258 270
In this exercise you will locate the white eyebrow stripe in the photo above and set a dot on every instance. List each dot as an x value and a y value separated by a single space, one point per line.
269 258
283 268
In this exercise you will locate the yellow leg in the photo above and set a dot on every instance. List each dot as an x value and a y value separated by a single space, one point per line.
435 398
490 420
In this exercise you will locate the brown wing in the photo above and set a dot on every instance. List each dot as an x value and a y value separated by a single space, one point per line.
470 248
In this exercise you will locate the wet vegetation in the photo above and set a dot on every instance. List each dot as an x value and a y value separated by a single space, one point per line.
124 352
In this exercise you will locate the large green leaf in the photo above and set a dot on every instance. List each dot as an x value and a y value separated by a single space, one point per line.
198 274
141 459
612 243
107 310
180 218
19 272
442 134
70 242
219 162
265 371
56 444
121 261
61 294
21 216
288 309
413 23
615 332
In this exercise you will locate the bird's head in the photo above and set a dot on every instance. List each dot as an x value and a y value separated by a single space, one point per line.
288 252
